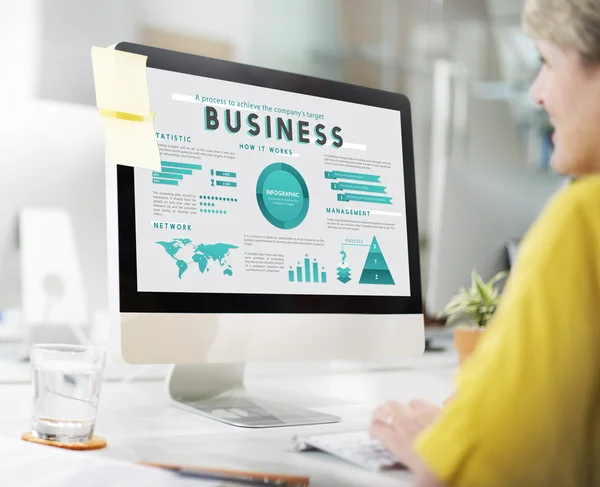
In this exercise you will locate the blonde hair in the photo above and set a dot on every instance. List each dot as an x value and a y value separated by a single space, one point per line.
571 24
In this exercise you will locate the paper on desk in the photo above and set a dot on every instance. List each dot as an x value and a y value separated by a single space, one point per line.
25 464
123 99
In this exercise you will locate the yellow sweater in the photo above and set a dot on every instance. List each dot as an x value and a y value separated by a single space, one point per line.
527 406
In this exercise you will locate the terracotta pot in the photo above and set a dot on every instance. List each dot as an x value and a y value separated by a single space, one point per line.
465 341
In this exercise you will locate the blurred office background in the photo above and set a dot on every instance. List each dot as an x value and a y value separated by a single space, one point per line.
464 64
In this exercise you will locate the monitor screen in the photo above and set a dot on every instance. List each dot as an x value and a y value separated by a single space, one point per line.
263 191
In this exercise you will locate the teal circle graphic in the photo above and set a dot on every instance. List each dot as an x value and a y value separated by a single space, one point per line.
282 195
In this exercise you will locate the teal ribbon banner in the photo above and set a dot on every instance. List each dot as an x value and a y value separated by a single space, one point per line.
354 176
365 198
368 188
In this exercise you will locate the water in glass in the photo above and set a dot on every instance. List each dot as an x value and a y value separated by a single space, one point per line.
65 400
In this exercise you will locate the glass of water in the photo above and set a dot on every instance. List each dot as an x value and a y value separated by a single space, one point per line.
66 391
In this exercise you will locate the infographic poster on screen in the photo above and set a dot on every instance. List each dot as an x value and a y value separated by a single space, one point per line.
263 191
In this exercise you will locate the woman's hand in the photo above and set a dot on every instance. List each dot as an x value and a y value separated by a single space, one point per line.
396 425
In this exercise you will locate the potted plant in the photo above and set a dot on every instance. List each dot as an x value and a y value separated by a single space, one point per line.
473 308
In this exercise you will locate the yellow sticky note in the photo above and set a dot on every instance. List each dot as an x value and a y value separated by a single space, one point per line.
121 81
131 143
124 102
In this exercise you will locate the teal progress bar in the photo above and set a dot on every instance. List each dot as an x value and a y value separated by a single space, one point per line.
180 165
173 170
164 175
170 182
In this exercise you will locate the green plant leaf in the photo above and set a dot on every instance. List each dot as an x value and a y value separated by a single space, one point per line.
497 278
477 303
482 290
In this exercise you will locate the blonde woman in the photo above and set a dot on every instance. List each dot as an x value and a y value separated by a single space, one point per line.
527 406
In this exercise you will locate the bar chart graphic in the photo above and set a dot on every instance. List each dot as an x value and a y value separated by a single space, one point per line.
307 271
172 172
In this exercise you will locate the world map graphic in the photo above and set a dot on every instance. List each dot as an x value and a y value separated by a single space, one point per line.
202 257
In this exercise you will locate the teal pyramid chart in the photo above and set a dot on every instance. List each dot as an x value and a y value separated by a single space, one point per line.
376 270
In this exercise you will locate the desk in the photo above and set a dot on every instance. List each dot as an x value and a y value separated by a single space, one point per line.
140 424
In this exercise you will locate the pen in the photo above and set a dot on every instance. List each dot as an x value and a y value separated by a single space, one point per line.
235 476
231 477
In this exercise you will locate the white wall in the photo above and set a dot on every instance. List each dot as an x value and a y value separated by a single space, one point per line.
492 127
47 43
270 33
221 20
285 35
18 41
69 28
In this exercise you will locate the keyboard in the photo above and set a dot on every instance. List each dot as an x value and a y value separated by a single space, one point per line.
356 447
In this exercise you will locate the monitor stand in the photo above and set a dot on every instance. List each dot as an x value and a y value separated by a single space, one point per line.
217 391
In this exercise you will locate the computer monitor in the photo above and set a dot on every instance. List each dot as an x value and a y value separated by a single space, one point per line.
480 213
52 157
282 226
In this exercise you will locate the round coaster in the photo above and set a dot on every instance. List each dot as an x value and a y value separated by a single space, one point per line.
96 443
